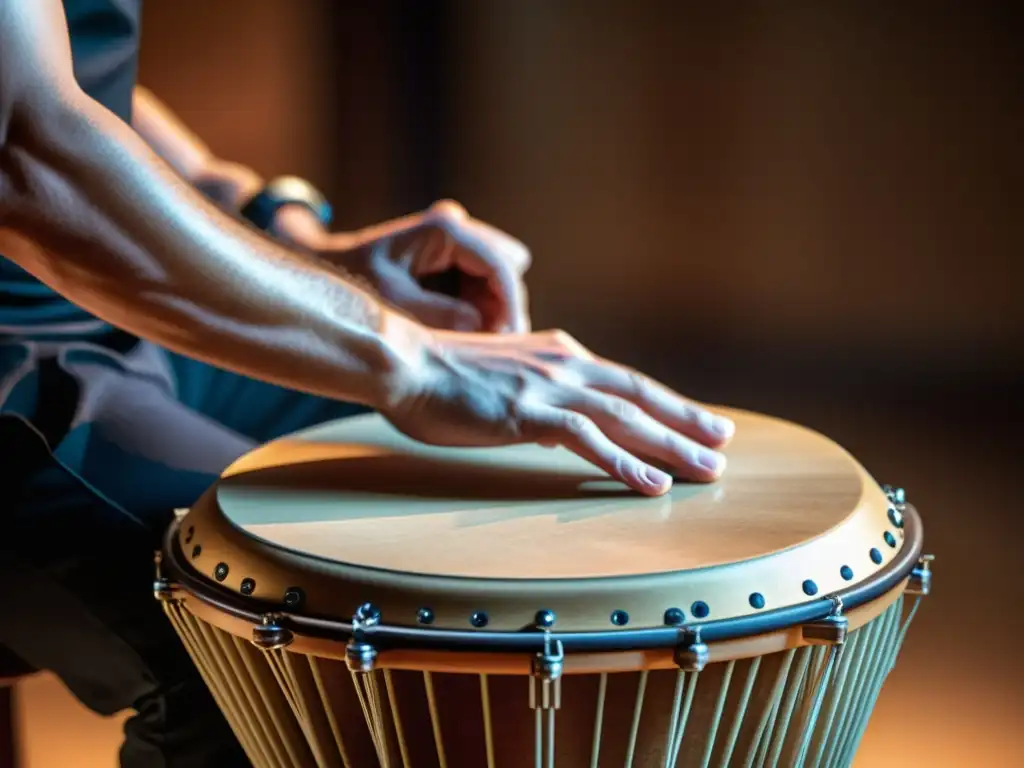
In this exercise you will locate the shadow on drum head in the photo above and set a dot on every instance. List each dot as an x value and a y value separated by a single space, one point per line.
427 478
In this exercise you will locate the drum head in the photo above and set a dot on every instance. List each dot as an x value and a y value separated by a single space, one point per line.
353 511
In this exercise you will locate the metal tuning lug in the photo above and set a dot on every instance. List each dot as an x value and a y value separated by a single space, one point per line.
270 635
546 670
162 590
691 653
360 653
830 630
920 581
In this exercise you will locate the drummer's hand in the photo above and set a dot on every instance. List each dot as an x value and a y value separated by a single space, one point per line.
464 389
395 256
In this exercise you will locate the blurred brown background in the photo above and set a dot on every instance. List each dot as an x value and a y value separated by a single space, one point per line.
809 209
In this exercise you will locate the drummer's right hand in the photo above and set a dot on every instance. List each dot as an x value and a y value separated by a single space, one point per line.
478 389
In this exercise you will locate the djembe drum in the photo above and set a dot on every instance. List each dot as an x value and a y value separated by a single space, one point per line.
353 598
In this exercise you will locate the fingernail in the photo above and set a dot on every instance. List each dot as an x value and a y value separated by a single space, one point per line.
717 425
655 477
723 427
711 461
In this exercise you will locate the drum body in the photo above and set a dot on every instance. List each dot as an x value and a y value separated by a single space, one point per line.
355 599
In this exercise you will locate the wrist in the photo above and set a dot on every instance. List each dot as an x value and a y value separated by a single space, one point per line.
267 211
299 227
405 351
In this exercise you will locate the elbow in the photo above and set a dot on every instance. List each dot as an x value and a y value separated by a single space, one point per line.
39 143
37 159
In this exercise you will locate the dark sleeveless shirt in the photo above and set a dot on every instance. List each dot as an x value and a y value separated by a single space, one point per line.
105 52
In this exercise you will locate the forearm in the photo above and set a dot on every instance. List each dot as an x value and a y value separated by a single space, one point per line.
90 210
227 183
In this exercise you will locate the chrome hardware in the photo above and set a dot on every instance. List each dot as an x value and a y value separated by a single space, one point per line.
366 615
895 495
691 654
828 631
360 654
544 619
546 669
270 635
162 590
920 581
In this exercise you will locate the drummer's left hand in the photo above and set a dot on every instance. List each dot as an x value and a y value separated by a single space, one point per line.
395 256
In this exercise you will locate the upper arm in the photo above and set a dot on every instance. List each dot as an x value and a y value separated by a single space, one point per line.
35 63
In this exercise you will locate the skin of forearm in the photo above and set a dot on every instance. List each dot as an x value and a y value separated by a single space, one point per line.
89 209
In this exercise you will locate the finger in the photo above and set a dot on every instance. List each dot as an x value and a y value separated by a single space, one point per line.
666 406
642 435
449 212
479 293
436 310
550 425
404 226
503 283
482 252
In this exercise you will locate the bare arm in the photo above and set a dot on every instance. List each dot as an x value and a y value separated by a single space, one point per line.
89 209
227 183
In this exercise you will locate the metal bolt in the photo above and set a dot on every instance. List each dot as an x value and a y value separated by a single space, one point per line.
367 614
895 495
920 581
162 590
545 618
692 653
270 635
360 656
674 617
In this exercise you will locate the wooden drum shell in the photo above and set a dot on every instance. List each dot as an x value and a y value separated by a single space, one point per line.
752 705
455 696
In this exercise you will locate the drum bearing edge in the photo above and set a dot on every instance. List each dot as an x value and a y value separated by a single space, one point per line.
177 575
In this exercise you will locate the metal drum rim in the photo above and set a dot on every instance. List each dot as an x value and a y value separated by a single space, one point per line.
393 637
